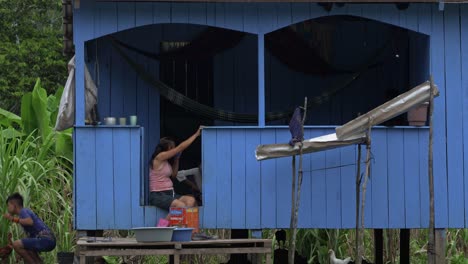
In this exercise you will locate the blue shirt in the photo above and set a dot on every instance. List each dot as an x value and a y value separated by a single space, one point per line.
38 229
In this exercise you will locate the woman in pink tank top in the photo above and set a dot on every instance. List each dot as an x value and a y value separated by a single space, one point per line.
164 164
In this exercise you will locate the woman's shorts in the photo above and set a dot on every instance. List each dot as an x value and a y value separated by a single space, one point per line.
40 244
163 199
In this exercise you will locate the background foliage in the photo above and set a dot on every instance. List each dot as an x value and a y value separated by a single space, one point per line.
30 47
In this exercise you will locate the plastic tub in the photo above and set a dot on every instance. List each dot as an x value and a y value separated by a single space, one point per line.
153 234
182 234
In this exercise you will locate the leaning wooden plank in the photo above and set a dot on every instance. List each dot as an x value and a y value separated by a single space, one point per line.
386 111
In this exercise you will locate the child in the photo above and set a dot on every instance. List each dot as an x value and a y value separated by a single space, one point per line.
39 237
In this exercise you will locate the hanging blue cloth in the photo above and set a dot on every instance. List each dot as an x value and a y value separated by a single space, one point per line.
295 127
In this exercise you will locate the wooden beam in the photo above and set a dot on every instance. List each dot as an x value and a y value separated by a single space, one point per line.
378 245
405 246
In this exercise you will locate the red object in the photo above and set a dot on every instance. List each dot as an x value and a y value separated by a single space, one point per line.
184 217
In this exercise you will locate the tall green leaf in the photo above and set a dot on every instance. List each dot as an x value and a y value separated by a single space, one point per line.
27 114
41 113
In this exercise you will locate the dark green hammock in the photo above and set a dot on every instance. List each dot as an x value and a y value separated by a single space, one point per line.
193 106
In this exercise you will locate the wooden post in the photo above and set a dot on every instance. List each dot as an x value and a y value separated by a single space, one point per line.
432 243
296 203
293 204
358 188
363 199
378 244
405 246
440 241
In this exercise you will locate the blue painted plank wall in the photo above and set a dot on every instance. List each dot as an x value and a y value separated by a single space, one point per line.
107 190
328 190
447 64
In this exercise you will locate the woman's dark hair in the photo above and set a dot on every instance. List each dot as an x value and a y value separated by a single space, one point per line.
15 198
164 144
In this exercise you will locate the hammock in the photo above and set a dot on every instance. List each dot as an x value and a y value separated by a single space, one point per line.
193 106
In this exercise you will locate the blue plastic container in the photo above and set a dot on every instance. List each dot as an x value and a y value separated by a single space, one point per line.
182 234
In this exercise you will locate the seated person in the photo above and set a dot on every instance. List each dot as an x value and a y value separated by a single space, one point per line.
164 165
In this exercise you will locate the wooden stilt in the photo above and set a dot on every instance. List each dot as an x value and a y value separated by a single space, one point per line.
296 195
378 245
405 246
363 199
440 242
431 258
358 195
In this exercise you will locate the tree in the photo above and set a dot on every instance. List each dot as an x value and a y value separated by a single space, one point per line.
30 48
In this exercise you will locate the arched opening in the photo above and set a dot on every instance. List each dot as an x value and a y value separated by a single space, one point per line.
202 69
345 65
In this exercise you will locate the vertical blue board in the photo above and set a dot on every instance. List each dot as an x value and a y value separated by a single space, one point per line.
300 12
333 188
219 14
440 156
424 26
464 57
305 214
107 18
224 175
412 157
104 178
143 15
238 186
197 13
284 14
389 14
348 186
179 13
268 183
250 17
252 180
412 17
424 177
85 179
125 16
284 182
268 18
161 12
396 177
122 194
454 114
318 188
210 178
379 179
138 217
234 16
211 14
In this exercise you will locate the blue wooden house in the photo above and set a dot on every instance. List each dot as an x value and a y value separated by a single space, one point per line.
258 57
